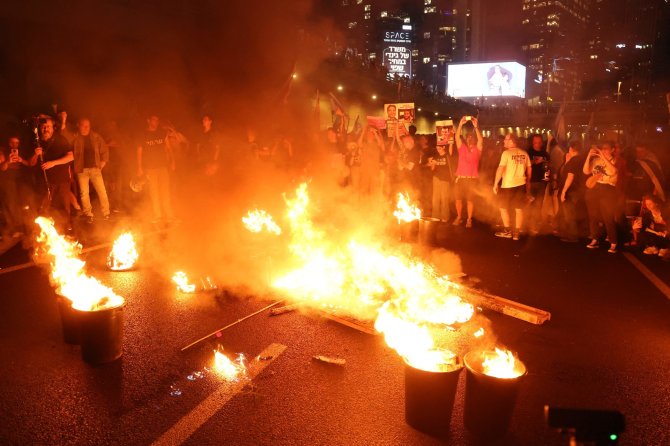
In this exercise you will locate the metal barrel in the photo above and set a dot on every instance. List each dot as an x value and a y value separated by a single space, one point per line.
428 231
429 399
489 401
101 334
409 231
70 320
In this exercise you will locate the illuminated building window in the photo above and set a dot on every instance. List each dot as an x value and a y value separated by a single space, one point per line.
594 56
358 2
426 60
366 16
429 9
405 20
525 21
384 14
426 35
426 2
352 25
535 46
372 56
621 45
415 53
345 2
367 7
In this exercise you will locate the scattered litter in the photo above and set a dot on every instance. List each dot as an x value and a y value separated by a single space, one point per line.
284 309
264 358
174 390
195 375
330 360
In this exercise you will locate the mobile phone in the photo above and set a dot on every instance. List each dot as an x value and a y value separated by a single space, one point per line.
468 118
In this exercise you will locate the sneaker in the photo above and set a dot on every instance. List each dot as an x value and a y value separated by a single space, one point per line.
515 235
593 244
457 222
505 233
468 223
612 249
651 251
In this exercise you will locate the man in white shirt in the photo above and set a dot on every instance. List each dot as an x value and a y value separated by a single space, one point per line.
514 170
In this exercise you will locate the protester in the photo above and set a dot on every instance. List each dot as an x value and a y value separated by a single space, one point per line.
515 172
646 175
155 159
570 187
426 151
556 161
365 161
601 198
467 171
650 229
13 186
409 175
540 178
118 170
54 154
90 157
208 147
443 165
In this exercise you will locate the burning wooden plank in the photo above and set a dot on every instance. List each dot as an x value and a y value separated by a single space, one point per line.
505 306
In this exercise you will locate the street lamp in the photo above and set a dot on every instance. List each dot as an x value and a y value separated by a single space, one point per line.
340 88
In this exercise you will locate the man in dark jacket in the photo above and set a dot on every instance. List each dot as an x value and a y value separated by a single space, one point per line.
90 156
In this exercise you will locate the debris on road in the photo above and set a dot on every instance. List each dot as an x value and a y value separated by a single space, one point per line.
282 310
330 360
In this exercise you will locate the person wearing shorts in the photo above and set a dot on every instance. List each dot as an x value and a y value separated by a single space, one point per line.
514 171
467 172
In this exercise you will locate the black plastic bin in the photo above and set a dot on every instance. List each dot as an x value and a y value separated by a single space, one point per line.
101 334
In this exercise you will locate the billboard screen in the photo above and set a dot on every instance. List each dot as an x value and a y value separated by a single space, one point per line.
397 52
486 79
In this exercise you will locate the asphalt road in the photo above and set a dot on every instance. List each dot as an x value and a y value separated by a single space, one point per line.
607 346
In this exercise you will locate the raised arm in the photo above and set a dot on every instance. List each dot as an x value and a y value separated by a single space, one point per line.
459 141
480 139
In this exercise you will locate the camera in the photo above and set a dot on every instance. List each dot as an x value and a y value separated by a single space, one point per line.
599 427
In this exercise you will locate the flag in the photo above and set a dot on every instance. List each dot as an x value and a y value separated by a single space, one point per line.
559 125
335 105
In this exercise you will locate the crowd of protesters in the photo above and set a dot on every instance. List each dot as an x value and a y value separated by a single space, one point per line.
525 186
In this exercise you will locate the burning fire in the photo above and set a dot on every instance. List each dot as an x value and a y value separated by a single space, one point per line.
501 364
67 271
405 211
411 303
124 253
183 284
257 220
227 369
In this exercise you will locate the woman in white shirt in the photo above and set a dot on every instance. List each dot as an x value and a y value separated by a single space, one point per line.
601 199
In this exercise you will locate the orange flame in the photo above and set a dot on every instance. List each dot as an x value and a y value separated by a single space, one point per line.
405 211
124 253
183 284
501 364
226 368
257 220
411 303
67 271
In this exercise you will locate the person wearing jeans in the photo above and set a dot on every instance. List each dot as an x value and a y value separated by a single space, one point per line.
601 199
90 157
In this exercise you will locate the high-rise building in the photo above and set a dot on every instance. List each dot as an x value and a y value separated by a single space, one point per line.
553 43
622 48
442 31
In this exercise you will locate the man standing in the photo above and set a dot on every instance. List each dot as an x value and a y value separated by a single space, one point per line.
54 153
540 178
208 147
90 157
570 186
514 170
467 172
154 158
13 188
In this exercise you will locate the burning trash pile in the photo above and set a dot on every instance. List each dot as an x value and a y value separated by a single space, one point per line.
92 313
124 255
184 284
419 312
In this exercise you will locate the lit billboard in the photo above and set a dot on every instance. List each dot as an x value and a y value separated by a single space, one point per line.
397 52
486 79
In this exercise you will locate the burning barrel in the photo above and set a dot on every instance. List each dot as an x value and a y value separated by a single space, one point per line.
428 231
429 398
409 231
101 333
491 387
69 320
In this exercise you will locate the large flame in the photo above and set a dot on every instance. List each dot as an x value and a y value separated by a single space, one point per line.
67 271
501 364
227 368
259 220
124 253
411 303
405 211
183 283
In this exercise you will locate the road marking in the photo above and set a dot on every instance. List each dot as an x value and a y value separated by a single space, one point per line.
653 278
193 420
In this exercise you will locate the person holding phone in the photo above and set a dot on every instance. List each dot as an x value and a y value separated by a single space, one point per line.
467 171
601 198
